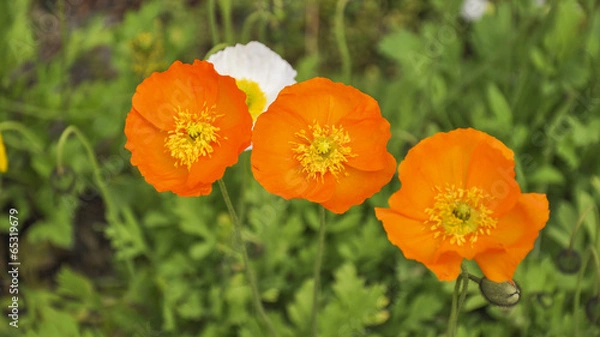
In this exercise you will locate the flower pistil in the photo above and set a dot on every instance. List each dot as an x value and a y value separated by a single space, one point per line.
460 214
323 149
194 136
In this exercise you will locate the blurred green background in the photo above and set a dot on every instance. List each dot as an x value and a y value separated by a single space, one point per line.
104 254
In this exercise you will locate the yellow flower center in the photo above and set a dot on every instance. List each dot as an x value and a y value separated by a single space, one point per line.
194 136
323 149
460 214
256 100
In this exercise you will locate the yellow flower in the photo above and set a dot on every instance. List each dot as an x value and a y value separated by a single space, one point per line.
3 158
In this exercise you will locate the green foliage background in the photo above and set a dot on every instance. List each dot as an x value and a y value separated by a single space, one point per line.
109 256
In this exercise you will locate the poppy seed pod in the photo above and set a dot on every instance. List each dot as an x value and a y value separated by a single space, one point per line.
568 261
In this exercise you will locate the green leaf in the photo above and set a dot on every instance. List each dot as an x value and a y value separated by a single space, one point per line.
127 236
350 220
355 305
238 297
57 228
300 310
499 106
403 46
423 308
560 41
192 305
74 284
546 175
58 323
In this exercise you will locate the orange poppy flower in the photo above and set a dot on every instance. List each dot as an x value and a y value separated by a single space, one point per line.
186 126
459 199
324 142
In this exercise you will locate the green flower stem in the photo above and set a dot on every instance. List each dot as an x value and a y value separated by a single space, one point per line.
317 271
111 211
590 253
261 19
577 298
65 95
458 298
22 129
226 9
578 224
212 21
214 49
249 274
474 278
340 37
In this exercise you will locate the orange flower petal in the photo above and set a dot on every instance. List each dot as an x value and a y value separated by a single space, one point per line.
409 206
182 85
500 265
490 170
148 153
307 101
408 235
523 222
516 233
437 161
368 136
346 194
446 267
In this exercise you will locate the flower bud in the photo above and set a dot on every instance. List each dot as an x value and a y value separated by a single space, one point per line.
544 299
503 294
592 310
63 182
568 261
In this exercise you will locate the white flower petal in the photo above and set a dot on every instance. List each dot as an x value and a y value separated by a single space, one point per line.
255 62
472 10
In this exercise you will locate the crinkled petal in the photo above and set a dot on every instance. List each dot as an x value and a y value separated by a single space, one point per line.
495 174
346 194
370 137
148 153
446 267
411 236
184 86
256 62
417 243
516 233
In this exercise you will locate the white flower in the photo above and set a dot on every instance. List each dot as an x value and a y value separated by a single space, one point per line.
472 10
259 72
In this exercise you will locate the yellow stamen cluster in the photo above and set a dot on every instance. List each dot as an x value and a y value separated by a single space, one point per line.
460 214
256 100
322 150
194 136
